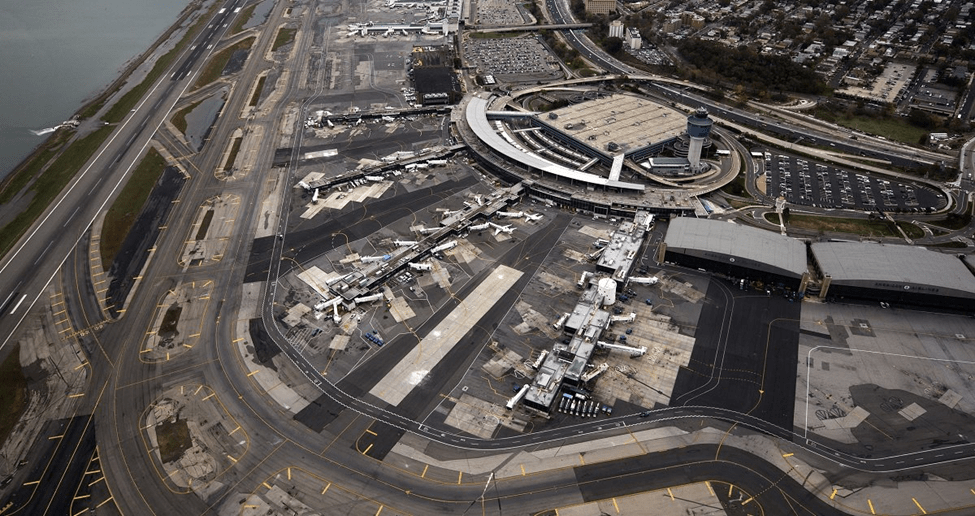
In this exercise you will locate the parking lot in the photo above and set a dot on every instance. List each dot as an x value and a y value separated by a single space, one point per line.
805 182
511 57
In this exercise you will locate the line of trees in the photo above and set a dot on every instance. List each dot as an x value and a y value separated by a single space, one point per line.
721 64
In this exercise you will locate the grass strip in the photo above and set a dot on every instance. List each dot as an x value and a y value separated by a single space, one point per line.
13 393
128 101
128 205
50 183
863 227
173 438
233 154
22 176
242 19
284 37
218 62
912 231
257 91
179 120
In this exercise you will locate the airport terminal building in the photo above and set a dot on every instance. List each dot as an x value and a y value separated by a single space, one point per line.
735 250
893 273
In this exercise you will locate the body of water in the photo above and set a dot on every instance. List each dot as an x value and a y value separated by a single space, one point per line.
54 55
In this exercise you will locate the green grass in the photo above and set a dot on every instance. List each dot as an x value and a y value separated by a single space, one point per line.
953 221
179 119
233 154
950 245
128 101
242 18
127 206
772 217
257 91
218 62
863 227
50 183
13 393
173 439
21 177
284 37
912 231
893 128
737 187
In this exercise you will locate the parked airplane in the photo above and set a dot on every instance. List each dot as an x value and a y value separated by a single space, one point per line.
498 229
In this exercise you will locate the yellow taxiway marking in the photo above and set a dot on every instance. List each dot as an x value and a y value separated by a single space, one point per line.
208 396
424 474
522 469
582 459
730 488
833 495
918 505
32 483
80 497
95 481
617 507
109 499
266 485
708 484
788 455
93 472
78 395
380 510
187 346
83 364
328 485
232 458
238 339
460 476
671 493
370 432
197 390
871 506
53 437
367 449
234 430
748 500
289 473
252 373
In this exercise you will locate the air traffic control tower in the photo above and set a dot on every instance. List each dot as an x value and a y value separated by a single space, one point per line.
699 130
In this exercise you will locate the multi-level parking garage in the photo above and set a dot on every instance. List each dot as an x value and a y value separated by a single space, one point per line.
591 156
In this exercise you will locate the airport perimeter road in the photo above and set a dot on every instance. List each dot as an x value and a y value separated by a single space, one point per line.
32 263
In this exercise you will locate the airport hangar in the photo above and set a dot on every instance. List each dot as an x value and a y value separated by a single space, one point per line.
903 274
737 251
894 273
576 157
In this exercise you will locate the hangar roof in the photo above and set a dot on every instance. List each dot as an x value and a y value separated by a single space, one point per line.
865 261
734 240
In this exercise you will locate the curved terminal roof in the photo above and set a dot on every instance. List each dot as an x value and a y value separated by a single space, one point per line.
892 266
476 115
785 255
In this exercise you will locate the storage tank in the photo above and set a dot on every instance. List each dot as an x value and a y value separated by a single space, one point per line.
607 291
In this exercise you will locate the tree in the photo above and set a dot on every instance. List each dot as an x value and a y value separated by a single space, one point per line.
613 45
